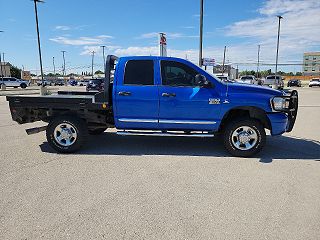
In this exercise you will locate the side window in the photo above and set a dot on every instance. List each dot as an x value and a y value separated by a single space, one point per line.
177 74
139 72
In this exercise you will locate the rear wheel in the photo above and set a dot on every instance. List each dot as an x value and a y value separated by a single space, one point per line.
67 134
23 85
244 137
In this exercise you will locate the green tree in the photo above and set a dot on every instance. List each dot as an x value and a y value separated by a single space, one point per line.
99 72
298 73
15 72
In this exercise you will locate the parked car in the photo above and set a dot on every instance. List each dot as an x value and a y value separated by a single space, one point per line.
275 81
59 82
95 85
315 82
14 82
179 99
73 83
250 79
45 81
294 83
83 83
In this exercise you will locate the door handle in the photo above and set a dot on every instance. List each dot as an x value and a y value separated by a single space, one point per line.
124 93
168 94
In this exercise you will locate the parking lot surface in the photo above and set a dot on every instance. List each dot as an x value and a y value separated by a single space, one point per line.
161 188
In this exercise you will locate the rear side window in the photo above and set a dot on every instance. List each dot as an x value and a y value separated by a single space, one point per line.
139 72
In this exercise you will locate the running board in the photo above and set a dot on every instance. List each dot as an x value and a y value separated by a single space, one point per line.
164 134
36 130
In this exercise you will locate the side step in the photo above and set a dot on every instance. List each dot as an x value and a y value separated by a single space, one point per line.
165 133
36 130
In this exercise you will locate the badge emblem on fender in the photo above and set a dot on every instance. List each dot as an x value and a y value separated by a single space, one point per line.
214 100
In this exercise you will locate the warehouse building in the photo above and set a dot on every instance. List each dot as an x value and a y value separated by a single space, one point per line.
5 69
311 64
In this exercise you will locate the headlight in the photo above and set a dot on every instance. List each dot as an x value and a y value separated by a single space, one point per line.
279 103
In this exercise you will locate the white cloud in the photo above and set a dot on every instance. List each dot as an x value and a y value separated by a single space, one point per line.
299 28
170 35
87 50
81 40
62 28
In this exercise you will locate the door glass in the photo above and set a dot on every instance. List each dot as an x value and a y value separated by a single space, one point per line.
139 72
177 74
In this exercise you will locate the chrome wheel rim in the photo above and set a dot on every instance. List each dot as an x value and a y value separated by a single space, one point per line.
65 134
244 138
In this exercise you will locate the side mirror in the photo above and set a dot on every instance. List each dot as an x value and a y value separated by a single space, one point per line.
202 81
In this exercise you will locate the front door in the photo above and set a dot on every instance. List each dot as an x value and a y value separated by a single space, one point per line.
183 103
136 96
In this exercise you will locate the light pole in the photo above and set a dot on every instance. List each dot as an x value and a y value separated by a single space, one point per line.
64 64
54 68
93 52
224 59
201 33
42 90
2 85
104 58
258 63
279 17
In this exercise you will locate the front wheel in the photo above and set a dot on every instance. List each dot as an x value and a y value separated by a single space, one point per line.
67 134
244 137
23 85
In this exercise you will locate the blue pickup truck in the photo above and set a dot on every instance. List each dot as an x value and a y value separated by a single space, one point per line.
161 96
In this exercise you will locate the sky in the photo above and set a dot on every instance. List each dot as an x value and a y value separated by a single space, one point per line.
131 27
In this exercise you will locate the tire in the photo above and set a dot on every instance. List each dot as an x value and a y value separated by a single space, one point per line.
76 126
97 131
245 128
23 85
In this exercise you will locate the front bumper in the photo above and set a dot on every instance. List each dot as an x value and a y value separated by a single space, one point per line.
282 122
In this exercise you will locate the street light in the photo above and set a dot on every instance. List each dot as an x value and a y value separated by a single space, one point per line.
258 63
42 91
279 17
2 85
64 63
104 58
201 33
93 52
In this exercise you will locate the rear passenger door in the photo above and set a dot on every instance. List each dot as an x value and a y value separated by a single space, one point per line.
136 96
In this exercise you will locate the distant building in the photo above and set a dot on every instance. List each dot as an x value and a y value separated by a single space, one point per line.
311 64
231 72
5 69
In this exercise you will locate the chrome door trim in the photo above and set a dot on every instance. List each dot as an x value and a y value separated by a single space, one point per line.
186 122
137 120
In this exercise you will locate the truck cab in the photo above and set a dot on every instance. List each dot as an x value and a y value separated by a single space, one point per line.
162 96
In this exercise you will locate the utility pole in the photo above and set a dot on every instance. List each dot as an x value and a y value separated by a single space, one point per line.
42 91
64 64
4 65
224 59
279 17
93 52
54 68
201 33
258 63
2 86
104 58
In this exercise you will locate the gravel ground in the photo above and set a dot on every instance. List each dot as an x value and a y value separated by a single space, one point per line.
161 188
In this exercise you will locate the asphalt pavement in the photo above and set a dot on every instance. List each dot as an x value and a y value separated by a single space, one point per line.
161 188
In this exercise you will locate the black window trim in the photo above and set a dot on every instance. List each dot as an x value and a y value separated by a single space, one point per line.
154 75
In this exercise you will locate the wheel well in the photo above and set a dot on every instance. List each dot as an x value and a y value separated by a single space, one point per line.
246 112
